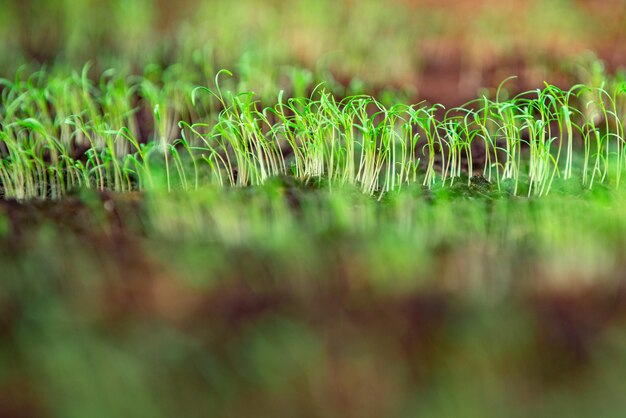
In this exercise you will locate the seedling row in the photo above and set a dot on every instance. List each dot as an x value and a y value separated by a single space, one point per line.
60 134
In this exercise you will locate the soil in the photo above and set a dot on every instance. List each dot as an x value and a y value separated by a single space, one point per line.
420 330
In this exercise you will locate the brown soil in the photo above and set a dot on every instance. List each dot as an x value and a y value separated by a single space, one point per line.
423 332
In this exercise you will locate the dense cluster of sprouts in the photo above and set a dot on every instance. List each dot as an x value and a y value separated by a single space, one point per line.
58 134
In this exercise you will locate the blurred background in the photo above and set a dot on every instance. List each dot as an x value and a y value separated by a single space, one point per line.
444 51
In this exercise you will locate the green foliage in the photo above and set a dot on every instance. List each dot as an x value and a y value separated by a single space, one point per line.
128 133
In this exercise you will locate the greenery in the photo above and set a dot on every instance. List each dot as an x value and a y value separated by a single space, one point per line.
65 133
242 209
229 301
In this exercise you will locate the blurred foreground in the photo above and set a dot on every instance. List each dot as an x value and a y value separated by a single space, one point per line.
291 301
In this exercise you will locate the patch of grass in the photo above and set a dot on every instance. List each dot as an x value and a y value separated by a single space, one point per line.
60 134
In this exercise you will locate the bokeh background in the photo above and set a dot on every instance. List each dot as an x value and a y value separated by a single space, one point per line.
444 51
